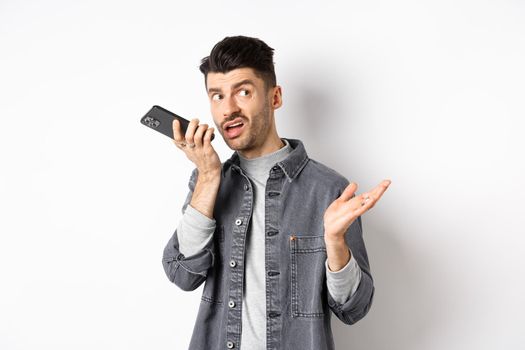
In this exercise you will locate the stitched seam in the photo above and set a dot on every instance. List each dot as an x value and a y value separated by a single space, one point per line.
293 280
294 287
210 300
296 170
309 250
190 271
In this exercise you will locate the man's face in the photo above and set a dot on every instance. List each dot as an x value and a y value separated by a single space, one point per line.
239 96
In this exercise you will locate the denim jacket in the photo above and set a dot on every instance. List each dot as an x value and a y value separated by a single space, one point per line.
298 304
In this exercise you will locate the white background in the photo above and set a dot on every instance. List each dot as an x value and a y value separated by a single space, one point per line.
427 93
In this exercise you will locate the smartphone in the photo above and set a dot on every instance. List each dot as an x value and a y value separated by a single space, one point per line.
161 120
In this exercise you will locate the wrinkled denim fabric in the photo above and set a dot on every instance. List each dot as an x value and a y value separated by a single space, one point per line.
298 191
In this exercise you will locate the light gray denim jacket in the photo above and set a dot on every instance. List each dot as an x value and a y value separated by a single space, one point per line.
298 191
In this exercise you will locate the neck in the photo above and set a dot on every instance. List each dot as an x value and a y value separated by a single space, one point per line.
270 145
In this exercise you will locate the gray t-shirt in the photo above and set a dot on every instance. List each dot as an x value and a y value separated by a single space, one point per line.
195 230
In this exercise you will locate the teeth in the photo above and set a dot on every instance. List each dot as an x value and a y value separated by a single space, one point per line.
231 126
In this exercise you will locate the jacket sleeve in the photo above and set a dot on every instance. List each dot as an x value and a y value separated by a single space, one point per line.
187 272
358 305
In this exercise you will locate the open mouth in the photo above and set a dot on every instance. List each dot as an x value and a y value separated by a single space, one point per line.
234 129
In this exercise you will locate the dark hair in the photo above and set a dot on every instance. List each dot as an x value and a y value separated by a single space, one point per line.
241 52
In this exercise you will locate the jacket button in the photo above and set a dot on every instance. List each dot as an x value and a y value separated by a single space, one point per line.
238 222
246 187
231 304
230 345
233 263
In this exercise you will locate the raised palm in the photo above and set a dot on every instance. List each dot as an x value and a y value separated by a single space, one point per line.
344 210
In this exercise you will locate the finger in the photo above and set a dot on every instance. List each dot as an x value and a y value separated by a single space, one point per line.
207 137
190 132
380 189
367 202
348 192
199 134
177 134
370 199
359 200
384 185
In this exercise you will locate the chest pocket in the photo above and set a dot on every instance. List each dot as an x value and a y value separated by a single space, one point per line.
308 256
213 288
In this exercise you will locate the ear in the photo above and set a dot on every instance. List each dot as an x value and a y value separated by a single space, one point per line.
277 98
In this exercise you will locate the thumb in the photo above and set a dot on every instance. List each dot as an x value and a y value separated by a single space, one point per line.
348 192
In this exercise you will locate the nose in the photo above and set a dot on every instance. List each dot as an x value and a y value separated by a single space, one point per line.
230 106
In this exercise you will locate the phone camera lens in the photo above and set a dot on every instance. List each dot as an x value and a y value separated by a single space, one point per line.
151 122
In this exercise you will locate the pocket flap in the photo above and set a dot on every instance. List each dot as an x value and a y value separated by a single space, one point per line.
307 244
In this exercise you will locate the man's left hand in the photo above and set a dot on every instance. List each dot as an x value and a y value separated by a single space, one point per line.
345 209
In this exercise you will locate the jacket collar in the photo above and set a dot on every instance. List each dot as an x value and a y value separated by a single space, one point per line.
291 166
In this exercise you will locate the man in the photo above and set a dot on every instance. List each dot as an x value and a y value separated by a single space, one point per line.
275 236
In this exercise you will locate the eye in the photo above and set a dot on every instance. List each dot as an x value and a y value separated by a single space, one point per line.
244 92
216 97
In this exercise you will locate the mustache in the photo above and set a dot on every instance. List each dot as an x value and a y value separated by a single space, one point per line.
233 117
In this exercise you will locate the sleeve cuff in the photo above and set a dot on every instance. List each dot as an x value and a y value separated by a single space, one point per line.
195 231
342 284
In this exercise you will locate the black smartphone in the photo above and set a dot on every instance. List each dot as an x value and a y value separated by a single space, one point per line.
161 120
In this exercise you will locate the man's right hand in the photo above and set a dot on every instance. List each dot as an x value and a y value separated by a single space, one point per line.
196 144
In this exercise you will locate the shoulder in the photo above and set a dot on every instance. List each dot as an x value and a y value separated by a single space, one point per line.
321 174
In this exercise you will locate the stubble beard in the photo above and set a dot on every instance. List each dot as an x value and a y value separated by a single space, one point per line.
257 133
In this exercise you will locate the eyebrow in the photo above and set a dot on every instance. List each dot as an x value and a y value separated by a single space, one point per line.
234 86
